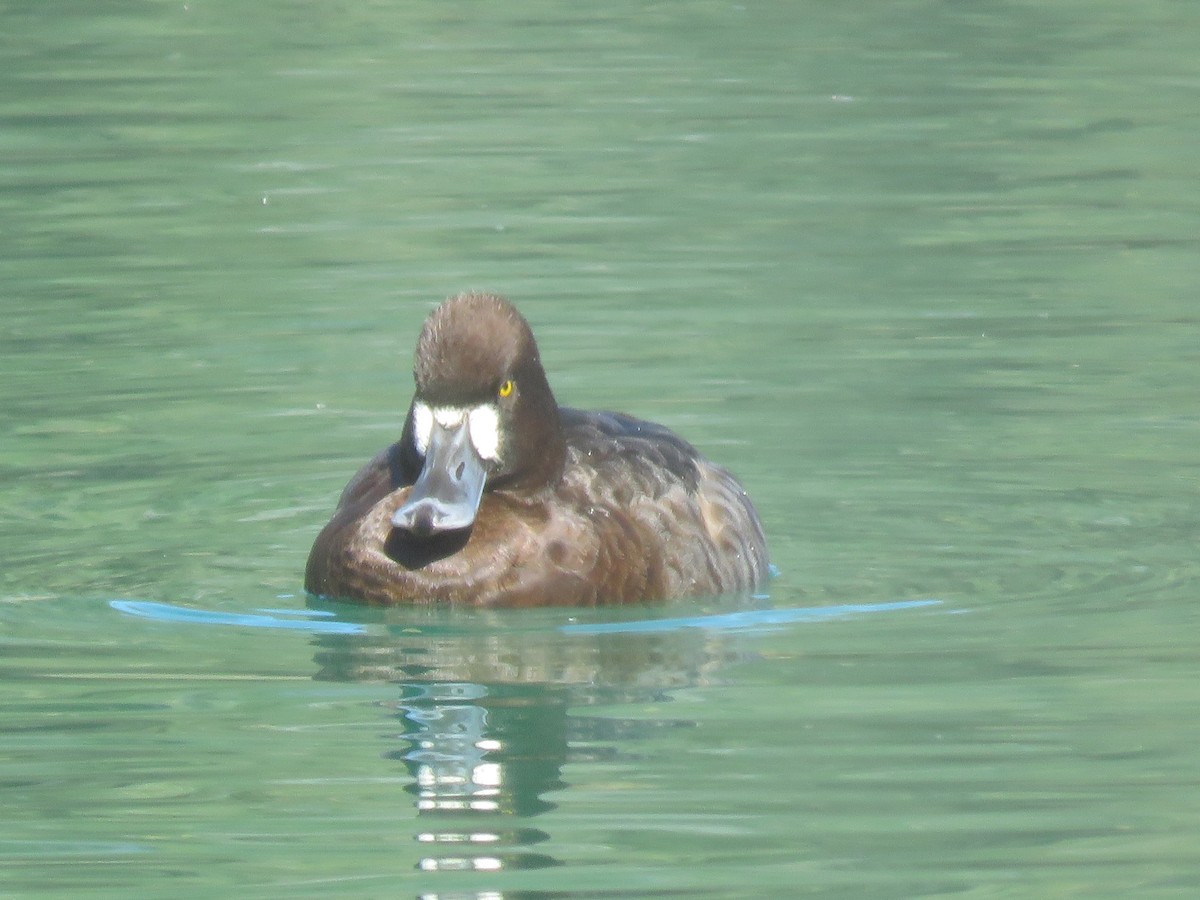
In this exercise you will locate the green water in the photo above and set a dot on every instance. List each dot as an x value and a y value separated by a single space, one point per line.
923 274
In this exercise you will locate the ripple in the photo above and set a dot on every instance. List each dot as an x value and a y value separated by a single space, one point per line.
311 621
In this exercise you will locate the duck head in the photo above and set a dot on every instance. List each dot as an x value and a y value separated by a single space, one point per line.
482 417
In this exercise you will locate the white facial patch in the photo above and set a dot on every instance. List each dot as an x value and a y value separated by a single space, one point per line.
484 422
483 425
422 418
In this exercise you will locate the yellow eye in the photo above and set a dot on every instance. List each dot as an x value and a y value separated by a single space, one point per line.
506 388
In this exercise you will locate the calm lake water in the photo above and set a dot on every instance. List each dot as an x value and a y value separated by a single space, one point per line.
924 274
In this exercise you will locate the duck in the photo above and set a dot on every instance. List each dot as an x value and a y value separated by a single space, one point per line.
496 496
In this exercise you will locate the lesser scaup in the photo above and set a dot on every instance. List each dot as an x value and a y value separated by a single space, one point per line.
496 496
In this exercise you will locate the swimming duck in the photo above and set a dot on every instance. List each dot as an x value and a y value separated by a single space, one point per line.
497 496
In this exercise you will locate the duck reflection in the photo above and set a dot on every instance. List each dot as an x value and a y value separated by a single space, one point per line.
486 754
482 749
490 713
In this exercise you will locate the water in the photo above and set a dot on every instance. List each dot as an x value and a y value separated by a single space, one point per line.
924 275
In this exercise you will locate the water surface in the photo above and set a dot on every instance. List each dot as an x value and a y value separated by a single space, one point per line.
923 275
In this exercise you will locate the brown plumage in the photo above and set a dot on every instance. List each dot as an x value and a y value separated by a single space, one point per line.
577 508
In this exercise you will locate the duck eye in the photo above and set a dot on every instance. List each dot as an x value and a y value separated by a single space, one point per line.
506 388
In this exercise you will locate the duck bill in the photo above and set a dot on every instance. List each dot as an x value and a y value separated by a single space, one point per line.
446 494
